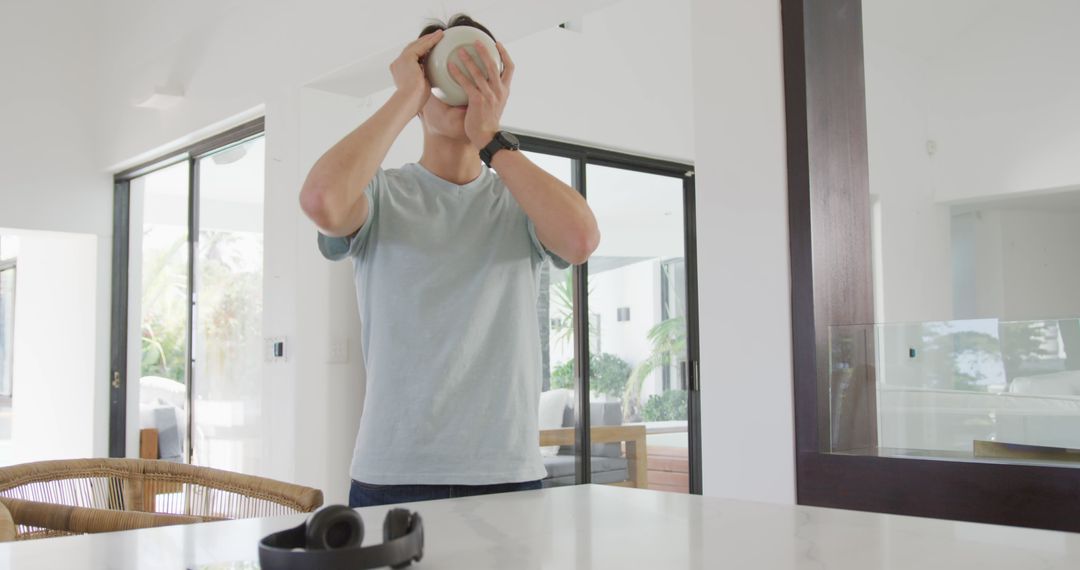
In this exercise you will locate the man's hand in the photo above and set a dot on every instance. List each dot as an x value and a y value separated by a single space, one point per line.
408 72
487 97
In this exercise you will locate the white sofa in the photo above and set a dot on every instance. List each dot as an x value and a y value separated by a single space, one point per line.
1036 410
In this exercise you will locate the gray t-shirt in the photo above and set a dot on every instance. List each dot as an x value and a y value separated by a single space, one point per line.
447 279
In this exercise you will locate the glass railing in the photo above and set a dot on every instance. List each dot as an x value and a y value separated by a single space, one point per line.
984 389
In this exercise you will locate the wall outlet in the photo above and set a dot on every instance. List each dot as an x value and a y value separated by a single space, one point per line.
338 351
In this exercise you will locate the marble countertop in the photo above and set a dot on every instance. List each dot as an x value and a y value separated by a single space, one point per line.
599 527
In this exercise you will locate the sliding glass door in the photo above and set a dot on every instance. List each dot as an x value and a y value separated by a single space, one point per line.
159 285
638 368
193 330
619 333
227 395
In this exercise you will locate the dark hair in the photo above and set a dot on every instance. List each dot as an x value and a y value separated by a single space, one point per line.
455 21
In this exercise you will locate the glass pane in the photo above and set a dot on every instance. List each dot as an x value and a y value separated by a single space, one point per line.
7 345
555 313
229 276
158 304
975 389
637 331
975 213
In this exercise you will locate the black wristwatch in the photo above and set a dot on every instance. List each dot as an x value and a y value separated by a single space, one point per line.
504 140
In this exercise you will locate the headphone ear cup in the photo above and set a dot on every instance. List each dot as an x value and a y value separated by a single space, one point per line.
334 526
396 524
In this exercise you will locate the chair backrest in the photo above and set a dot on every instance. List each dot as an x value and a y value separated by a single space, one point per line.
155 486
31 519
7 525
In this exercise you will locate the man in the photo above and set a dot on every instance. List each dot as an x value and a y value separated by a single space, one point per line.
447 255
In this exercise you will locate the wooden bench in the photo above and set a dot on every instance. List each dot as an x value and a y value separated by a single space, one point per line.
632 438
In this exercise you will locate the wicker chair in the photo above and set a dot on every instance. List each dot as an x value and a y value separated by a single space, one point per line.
7 525
31 519
98 495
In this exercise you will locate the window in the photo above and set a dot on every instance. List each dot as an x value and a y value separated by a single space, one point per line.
9 249
934 312
639 299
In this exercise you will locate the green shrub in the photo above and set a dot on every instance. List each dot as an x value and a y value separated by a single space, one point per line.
607 374
670 405
563 376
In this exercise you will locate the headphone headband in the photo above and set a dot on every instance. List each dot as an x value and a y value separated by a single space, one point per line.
277 550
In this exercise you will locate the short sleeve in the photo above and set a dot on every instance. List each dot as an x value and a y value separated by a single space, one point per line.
338 248
544 253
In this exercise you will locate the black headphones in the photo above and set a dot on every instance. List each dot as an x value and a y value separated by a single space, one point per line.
331 541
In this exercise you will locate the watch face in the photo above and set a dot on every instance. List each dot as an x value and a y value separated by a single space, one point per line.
510 139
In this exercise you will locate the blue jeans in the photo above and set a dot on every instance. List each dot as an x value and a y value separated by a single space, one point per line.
368 495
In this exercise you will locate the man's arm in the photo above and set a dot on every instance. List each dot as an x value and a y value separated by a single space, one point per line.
333 193
564 222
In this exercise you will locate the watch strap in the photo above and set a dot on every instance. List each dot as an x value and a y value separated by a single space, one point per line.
497 143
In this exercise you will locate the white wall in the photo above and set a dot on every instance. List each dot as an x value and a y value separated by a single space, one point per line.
49 180
1003 96
977 272
605 86
1024 263
991 87
48 177
914 228
744 283
1040 264
53 397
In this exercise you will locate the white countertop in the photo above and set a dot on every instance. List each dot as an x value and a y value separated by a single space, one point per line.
601 527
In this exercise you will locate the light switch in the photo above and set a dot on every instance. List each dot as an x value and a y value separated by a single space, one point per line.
275 349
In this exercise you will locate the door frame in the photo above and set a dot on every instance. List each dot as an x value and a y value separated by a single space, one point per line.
580 157
118 380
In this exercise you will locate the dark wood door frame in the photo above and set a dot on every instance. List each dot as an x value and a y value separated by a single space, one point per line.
832 284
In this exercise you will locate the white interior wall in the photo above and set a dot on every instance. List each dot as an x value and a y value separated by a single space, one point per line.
1003 101
1021 264
915 258
49 180
990 87
637 287
977 264
54 409
743 279
605 86
1040 264
48 177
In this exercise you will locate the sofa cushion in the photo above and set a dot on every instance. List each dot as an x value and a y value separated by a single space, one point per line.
1065 383
601 414
604 478
552 406
563 466
170 447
